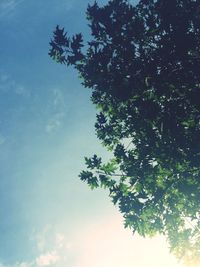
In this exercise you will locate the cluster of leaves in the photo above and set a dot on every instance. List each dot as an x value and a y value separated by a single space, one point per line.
142 64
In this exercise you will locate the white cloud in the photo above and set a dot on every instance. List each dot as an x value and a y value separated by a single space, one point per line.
51 245
100 243
46 242
48 258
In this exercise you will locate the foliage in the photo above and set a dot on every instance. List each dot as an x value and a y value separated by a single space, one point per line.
142 64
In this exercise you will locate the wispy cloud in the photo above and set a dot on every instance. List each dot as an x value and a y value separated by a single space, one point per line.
52 248
2 141
57 107
24 264
54 122
41 238
60 239
100 243
21 90
9 85
19 264
8 6
66 5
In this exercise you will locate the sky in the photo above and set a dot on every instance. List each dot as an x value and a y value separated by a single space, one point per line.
48 217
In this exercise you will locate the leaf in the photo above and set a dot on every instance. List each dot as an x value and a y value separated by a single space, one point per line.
142 64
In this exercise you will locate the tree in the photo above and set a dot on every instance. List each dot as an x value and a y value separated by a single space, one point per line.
142 64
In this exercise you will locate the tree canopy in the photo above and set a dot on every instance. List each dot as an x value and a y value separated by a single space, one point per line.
142 64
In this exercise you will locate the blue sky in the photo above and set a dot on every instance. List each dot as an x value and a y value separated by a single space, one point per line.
47 216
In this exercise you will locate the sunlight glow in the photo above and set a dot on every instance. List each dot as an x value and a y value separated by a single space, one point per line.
107 244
